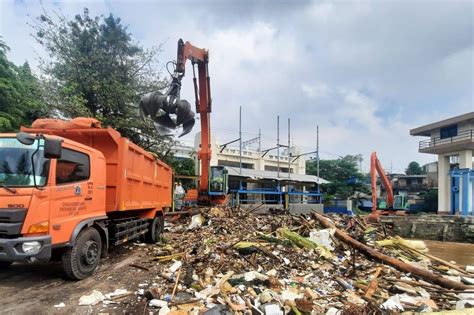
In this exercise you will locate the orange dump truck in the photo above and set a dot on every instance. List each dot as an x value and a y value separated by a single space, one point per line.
70 189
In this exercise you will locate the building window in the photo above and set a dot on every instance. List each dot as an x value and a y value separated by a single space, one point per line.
275 169
449 131
235 164
72 167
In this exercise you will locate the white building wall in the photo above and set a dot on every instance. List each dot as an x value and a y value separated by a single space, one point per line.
443 185
464 126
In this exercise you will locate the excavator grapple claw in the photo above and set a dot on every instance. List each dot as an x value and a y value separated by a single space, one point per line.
167 113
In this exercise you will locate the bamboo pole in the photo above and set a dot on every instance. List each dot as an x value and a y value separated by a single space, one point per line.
439 260
400 265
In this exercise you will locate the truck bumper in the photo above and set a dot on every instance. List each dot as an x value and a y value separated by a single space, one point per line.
11 249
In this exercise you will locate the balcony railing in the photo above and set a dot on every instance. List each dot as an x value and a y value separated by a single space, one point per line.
411 187
433 142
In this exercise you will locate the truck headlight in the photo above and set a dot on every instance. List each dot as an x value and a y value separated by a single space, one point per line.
31 247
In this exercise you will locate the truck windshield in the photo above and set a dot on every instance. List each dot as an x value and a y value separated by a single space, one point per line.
16 167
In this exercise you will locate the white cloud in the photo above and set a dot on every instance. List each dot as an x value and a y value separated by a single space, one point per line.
366 72
315 91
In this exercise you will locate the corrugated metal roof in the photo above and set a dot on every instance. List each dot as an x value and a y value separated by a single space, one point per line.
257 174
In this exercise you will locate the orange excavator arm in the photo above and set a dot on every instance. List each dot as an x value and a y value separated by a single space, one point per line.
168 111
376 167
202 93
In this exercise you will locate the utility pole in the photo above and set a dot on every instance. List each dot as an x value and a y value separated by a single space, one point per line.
289 150
240 138
259 140
278 146
317 157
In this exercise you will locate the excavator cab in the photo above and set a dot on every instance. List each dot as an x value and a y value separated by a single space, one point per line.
381 204
218 181
400 202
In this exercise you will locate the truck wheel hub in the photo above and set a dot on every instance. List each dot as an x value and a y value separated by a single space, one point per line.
90 253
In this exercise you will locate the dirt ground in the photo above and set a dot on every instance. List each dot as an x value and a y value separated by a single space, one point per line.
27 289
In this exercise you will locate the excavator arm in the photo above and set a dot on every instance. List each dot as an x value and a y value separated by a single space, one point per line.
168 111
376 168
202 94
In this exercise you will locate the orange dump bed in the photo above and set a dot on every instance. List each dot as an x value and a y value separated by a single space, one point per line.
135 178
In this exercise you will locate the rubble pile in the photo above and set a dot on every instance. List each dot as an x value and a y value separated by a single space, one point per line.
225 261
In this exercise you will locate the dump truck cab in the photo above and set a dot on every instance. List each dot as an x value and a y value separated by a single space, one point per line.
71 189
43 199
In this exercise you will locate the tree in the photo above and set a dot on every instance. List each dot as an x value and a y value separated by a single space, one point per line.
182 166
21 98
96 69
343 175
431 201
414 169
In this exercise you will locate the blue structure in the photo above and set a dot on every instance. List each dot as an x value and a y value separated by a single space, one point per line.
462 191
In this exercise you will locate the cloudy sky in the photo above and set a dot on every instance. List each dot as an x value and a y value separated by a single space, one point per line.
366 72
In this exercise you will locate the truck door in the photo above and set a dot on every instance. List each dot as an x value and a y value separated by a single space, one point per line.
71 193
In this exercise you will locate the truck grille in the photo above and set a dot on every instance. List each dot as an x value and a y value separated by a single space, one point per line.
11 221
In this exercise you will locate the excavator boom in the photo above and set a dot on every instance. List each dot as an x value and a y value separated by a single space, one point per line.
202 93
376 168
168 111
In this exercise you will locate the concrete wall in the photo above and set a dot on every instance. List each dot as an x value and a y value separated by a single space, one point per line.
433 227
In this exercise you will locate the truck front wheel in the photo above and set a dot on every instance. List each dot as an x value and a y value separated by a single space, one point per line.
155 229
80 261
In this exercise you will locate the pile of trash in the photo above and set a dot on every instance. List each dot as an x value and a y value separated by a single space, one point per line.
228 260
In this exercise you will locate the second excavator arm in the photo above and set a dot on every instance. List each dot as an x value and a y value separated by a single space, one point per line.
376 167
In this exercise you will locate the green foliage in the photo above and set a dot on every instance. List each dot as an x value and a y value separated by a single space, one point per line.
414 169
20 94
343 174
431 201
182 166
185 167
328 198
96 69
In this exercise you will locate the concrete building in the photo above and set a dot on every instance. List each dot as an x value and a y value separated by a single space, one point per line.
182 151
431 170
413 186
264 178
253 159
452 140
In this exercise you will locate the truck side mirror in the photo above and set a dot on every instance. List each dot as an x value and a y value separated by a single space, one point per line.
52 148
25 138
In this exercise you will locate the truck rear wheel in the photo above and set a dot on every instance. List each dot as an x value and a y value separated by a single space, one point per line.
80 261
155 229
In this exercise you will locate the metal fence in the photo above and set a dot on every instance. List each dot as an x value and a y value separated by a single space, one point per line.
463 135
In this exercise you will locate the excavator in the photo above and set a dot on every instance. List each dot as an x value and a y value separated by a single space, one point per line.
169 112
397 204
